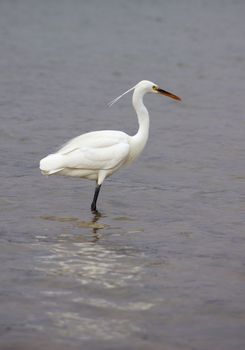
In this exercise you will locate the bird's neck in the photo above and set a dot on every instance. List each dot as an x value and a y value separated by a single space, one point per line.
141 136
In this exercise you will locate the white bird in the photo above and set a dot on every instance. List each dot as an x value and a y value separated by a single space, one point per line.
98 154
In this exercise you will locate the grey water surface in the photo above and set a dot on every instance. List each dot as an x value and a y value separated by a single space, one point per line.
163 267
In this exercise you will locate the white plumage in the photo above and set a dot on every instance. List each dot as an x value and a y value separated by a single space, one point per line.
87 155
98 154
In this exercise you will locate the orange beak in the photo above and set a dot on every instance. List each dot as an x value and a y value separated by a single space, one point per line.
169 94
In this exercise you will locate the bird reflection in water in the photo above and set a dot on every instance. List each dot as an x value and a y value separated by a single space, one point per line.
93 224
96 217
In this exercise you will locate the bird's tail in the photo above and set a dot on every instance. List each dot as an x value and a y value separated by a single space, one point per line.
52 164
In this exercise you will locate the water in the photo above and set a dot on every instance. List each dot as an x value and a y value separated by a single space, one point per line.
163 267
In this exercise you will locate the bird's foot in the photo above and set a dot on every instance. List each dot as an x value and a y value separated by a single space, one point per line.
94 209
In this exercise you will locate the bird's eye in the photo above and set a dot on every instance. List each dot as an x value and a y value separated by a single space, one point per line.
154 87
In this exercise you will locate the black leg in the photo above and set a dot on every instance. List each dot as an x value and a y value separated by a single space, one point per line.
96 194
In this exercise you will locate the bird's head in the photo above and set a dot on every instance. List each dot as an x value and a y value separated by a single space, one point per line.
146 86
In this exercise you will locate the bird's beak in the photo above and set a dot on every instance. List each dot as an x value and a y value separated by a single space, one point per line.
166 93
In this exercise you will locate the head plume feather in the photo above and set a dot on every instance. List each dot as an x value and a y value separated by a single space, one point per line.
118 98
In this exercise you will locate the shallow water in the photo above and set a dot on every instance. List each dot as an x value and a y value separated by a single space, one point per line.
163 266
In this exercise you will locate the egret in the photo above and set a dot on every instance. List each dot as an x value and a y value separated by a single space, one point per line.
98 154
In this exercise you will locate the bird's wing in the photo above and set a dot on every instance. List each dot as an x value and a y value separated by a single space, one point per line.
97 158
94 139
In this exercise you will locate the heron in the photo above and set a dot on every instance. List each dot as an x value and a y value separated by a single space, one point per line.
97 155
